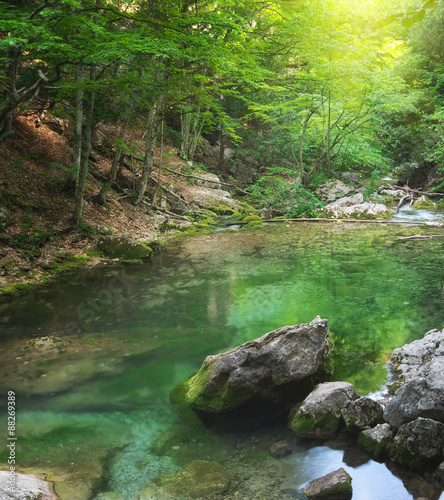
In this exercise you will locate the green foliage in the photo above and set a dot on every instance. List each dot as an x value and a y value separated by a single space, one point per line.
281 189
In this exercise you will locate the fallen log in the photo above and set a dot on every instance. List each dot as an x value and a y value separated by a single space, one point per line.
321 219
414 191
421 237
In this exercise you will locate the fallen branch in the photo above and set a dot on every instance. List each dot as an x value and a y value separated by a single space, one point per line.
414 191
172 193
138 158
320 219
420 237
204 180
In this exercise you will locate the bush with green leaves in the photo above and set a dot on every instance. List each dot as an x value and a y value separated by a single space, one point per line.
282 190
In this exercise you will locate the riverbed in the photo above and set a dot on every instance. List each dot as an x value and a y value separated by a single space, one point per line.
93 409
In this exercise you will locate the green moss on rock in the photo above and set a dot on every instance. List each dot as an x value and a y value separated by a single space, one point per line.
251 218
317 425
424 203
15 290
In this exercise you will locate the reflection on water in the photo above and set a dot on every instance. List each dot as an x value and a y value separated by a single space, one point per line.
130 335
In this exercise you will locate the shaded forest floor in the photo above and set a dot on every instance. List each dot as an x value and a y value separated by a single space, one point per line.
34 166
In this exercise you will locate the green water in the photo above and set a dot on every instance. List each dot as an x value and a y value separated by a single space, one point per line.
132 334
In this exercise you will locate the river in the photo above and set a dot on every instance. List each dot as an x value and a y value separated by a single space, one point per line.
92 411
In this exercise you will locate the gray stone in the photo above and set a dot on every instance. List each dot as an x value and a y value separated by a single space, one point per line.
423 358
376 441
320 414
333 486
123 246
415 399
16 486
362 414
349 177
332 190
275 369
210 181
5 218
354 206
419 443
439 473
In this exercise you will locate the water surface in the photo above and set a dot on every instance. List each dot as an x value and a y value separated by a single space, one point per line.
131 334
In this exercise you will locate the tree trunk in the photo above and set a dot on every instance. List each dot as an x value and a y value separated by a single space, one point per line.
86 149
152 124
77 148
15 96
101 197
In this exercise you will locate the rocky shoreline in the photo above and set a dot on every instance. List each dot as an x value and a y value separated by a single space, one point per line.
405 430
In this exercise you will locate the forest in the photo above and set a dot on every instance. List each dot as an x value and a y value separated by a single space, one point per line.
296 91
184 311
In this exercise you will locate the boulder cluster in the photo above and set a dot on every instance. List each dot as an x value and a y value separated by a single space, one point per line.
276 369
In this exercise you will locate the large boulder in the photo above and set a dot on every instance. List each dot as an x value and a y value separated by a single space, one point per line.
15 486
320 414
332 190
420 385
415 399
124 246
216 200
198 479
362 414
376 441
272 371
333 486
423 358
418 444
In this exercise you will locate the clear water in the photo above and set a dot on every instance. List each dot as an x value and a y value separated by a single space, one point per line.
132 334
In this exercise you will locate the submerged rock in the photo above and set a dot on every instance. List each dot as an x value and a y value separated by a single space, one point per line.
320 414
280 449
362 414
200 478
333 486
418 444
376 441
17 486
274 370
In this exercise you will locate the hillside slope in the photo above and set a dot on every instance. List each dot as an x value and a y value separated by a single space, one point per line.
37 207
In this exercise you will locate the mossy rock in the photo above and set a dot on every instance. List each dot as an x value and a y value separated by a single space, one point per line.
218 401
16 289
123 246
334 486
376 441
95 252
222 209
237 215
317 425
198 479
424 203
251 218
